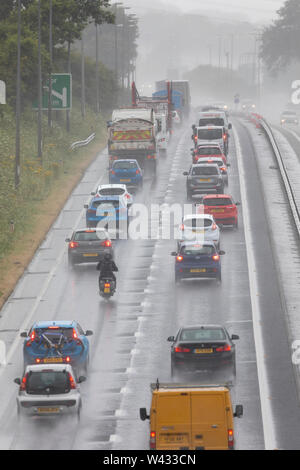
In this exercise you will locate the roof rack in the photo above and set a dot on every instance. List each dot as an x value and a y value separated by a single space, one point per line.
172 385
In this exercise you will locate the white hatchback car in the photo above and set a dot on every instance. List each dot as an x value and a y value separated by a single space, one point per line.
200 227
114 190
47 390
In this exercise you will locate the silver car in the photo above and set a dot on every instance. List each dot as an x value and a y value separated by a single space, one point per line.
47 390
88 245
204 178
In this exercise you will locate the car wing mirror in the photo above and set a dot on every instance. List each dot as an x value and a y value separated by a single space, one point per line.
233 337
185 173
238 411
24 334
221 252
173 253
237 203
89 333
86 206
229 126
93 193
143 414
171 339
228 164
17 381
68 240
81 379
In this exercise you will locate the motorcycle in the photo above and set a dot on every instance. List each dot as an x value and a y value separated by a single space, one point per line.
107 288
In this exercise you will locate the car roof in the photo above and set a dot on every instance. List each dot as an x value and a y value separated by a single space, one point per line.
204 327
198 216
209 144
212 158
125 160
111 186
110 197
205 243
90 229
52 366
60 323
210 127
216 196
205 164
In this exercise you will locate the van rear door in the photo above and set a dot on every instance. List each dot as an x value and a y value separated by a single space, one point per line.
173 422
209 421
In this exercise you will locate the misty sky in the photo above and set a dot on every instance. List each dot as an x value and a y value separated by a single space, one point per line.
252 10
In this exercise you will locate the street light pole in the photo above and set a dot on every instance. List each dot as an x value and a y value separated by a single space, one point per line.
82 77
97 72
18 101
39 85
51 63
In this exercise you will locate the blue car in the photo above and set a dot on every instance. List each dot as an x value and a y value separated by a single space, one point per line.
112 210
127 172
197 260
61 342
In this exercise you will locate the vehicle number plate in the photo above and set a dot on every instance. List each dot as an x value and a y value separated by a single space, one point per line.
53 359
198 270
203 351
106 290
125 181
173 438
198 231
90 254
48 410
217 210
208 180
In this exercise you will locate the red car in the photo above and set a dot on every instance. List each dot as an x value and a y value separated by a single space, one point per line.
221 207
212 150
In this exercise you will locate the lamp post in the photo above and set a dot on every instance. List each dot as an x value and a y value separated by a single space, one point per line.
97 71
18 101
39 85
51 62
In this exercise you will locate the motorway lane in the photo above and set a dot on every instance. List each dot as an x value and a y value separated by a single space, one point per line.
129 347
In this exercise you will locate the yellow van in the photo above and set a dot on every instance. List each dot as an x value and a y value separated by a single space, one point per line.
194 417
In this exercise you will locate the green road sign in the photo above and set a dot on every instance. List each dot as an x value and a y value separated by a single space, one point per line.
61 96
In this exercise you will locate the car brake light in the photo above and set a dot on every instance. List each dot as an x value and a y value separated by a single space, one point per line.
216 257
179 349
224 348
230 438
33 335
127 196
74 334
224 136
38 361
196 138
106 243
181 227
73 244
223 168
152 440
214 227
68 359
72 382
179 258
137 172
23 383
107 284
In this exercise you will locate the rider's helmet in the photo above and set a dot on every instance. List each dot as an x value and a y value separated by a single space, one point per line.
107 257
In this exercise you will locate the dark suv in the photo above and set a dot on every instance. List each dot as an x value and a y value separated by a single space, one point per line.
203 178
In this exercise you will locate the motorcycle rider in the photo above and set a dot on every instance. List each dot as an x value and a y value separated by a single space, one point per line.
107 267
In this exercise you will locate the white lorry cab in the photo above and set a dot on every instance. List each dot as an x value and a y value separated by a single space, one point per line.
162 133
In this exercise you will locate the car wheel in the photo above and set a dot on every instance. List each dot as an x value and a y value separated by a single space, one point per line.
70 262
177 279
219 278
189 195
174 371
236 225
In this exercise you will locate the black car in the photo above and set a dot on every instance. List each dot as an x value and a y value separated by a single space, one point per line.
204 178
202 348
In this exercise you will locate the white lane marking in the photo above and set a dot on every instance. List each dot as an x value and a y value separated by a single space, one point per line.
51 274
239 321
264 390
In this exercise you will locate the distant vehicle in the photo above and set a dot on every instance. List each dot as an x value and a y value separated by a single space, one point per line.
54 342
199 228
215 118
197 261
176 97
214 134
220 162
162 133
222 207
176 118
289 117
248 106
181 86
46 390
191 417
221 105
126 171
206 149
203 178
111 210
114 190
131 134
88 245
203 348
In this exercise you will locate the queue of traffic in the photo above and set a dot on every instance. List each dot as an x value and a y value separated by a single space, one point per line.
56 353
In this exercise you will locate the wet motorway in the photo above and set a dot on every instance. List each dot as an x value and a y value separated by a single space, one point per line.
129 348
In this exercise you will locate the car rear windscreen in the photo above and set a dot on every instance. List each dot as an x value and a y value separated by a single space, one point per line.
194 250
220 201
197 222
125 166
204 171
111 192
211 122
210 134
209 151
54 334
217 162
203 334
106 205
90 236
47 382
